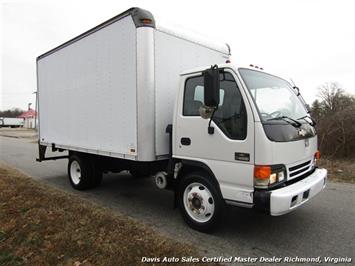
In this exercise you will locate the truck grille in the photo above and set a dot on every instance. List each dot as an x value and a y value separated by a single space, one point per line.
300 169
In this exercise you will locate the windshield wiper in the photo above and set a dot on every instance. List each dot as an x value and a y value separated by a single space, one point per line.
287 119
312 123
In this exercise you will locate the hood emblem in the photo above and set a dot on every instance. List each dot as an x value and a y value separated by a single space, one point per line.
302 132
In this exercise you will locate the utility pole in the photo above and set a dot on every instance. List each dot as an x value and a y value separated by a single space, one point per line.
36 109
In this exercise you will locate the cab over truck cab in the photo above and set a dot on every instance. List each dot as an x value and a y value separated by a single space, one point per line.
256 147
216 135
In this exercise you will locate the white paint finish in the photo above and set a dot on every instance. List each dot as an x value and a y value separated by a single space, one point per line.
290 153
113 91
280 199
85 150
263 146
145 94
87 95
217 151
227 174
172 56
193 37
293 152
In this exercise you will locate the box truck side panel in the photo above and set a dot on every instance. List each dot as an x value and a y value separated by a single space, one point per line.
87 92
172 56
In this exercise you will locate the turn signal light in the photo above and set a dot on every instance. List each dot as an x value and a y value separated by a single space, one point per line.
317 155
262 172
316 158
267 175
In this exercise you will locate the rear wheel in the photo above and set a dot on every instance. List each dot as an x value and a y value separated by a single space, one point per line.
200 202
83 173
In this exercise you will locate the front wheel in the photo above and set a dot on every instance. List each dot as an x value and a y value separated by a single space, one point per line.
200 201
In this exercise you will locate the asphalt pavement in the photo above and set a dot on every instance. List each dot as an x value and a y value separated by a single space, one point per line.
325 226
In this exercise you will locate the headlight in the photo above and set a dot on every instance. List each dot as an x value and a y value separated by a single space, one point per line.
266 175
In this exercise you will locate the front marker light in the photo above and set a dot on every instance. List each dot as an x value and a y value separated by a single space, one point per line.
317 155
316 159
273 178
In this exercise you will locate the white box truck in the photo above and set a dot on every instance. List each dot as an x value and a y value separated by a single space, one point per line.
121 97
11 122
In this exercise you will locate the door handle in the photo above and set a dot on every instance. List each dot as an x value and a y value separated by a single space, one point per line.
185 141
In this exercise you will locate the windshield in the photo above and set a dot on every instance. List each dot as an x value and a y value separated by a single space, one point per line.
273 96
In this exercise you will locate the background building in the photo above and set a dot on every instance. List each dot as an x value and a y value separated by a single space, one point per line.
29 118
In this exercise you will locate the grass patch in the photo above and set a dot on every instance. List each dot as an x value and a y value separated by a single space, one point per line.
41 225
7 258
339 170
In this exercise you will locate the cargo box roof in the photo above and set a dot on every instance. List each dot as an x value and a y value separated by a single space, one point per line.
143 18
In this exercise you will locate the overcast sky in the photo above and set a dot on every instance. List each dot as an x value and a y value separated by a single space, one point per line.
310 41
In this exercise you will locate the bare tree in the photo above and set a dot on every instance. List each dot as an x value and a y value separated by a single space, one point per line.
335 114
14 112
330 94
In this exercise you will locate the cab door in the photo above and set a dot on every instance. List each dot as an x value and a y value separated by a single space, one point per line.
229 151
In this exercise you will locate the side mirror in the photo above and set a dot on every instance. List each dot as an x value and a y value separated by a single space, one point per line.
211 86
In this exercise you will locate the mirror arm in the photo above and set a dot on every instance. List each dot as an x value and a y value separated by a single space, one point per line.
210 128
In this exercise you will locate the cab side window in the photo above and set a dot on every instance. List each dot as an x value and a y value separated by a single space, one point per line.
231 116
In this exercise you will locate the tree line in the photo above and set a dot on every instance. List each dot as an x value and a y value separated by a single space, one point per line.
334 111
14 112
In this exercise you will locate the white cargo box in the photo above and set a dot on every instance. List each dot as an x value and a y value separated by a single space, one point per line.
111 90
11 122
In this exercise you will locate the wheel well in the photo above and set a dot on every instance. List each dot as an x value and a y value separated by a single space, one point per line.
195 166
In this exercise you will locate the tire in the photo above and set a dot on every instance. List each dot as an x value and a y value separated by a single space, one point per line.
82 172
200 201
